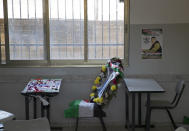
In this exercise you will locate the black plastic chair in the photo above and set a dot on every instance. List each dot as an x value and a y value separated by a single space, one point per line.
166 105
98 112
108 77
98 109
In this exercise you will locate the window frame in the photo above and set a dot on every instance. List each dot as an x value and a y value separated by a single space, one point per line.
56 63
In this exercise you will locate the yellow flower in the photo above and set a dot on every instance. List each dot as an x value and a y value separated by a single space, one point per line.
96 82
94 88
95 100
98 100
103 68
92 94
98 78
113 87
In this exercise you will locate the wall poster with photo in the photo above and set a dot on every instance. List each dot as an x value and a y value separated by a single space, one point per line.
151 43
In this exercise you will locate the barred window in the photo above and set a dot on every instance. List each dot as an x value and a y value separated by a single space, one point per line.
62 31
25 29
2 34
66 29
105 29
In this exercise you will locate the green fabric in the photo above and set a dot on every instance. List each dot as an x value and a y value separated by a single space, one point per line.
73 110
186 120
118 70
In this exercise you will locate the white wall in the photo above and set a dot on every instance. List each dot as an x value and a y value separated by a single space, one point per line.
159 11
175 51
170 15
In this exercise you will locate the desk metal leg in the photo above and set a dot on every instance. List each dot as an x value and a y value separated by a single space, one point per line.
27 107
48 109
34 108
127 110
148 113
139 109
42 110
133 111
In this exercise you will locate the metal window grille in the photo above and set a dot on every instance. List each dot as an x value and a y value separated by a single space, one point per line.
78 29
2 35
105 29
25 30
66 29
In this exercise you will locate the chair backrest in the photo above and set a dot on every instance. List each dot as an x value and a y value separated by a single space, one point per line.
40 124
179 91
179 87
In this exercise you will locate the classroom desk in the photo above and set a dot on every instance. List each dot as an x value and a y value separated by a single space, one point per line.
139 86
40 88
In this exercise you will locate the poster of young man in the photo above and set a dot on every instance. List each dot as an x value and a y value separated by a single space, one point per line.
151 42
